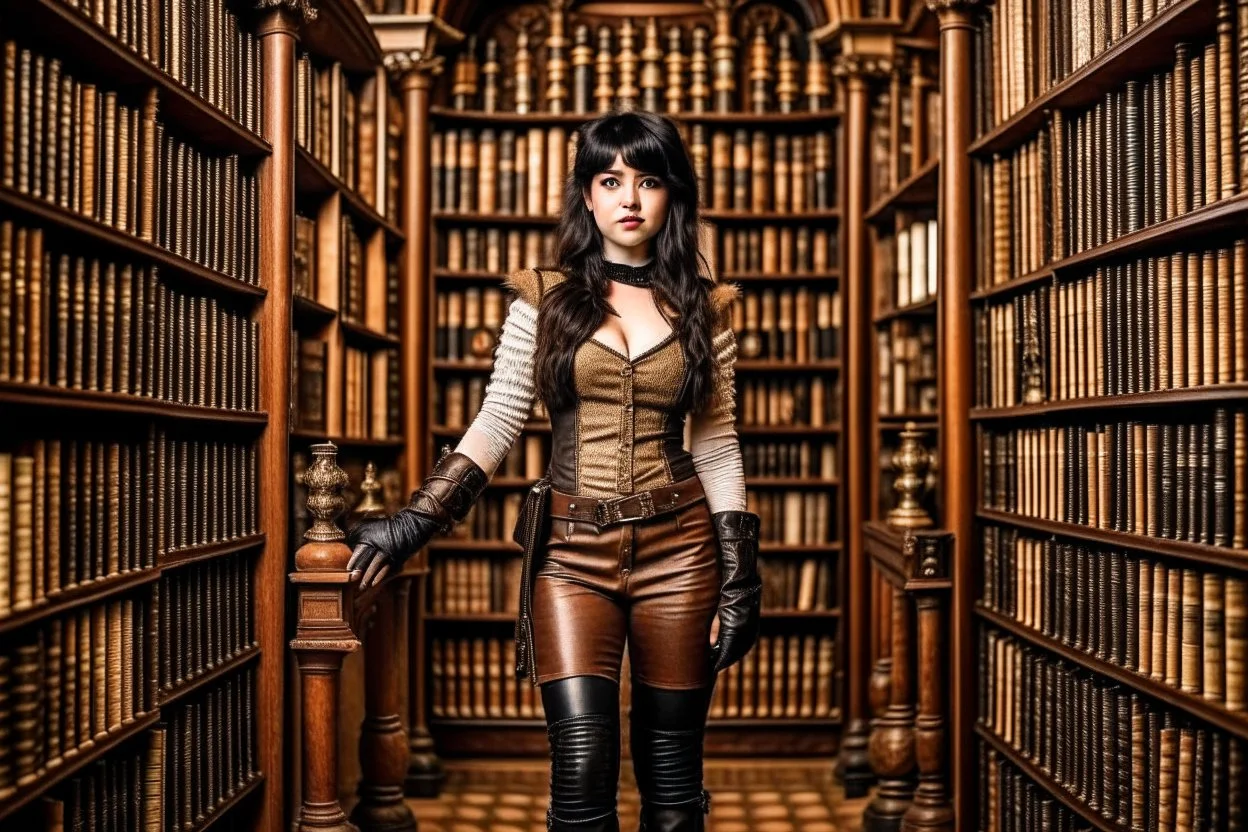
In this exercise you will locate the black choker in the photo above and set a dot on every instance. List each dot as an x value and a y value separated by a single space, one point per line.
632 275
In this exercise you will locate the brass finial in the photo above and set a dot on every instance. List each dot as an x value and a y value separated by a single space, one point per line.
910 461
325 482
371 503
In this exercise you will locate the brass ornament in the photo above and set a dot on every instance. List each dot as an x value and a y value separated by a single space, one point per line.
911 461
325 482
371 503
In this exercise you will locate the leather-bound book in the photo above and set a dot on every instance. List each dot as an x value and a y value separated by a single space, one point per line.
741 167
1236 642
1160 621
1174 627
466 202
1185 777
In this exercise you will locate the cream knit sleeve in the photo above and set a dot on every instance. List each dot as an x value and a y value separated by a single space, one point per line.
713 438
509 393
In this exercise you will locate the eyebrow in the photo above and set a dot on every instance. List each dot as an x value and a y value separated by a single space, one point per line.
621 173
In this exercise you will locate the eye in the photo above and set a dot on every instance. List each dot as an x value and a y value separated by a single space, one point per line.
607 183
652 182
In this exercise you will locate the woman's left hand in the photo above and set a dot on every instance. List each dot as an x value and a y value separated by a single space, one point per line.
715 629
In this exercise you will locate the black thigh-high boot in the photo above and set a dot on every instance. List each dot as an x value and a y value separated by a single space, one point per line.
583 724
666 730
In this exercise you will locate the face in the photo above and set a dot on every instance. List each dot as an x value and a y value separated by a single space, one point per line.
629 207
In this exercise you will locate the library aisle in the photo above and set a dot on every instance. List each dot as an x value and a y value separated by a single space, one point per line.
988 267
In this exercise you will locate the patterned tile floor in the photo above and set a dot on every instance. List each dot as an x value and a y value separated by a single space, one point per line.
746 796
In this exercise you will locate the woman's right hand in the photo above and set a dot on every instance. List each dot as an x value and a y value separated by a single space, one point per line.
380 544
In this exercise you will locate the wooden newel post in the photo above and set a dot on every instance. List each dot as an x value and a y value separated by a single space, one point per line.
891 748
383 739
322 639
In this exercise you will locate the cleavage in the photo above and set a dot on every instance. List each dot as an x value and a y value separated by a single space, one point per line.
640 328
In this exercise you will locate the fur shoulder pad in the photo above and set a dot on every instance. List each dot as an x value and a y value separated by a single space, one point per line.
533 284
722 296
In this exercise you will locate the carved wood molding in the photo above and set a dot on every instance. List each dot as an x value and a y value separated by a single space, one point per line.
857 65
302 9
939 6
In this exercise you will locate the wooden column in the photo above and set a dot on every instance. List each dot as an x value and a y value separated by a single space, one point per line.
383 742
852 766
931 809
278 32
892 737
417 70
880 685
956 339
322 639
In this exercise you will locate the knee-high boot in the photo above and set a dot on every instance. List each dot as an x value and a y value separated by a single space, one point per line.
583 726
667 757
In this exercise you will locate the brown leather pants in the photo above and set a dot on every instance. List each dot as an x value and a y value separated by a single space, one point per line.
653 582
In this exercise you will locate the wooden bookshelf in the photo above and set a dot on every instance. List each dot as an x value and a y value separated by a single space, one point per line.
1210 712
474 248
130 431
1024 273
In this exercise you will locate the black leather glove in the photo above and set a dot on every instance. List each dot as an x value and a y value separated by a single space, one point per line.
741 588
380 544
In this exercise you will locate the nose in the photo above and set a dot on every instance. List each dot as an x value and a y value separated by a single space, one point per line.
629 197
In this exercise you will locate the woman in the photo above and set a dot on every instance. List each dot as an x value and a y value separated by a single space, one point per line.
648 541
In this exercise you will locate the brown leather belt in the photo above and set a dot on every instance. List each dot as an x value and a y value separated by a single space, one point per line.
607 511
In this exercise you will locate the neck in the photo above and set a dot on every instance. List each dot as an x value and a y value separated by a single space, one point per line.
632 256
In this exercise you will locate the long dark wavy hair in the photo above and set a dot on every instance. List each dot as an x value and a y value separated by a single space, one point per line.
572 311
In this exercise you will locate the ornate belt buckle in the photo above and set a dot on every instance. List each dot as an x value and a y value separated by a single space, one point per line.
647 504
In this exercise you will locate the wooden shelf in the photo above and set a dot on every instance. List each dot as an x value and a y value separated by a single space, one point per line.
1231 392
1046 782
1221 556
1014 284
771 365
223 808
340 32
788 430
496 219
449 115
897 421
718 215
459 365
38 395
311 313
803 723
916 191
173 267
831 275
314 179
194 554
446 430
365 338
188 686
776 549
468 274
346 442
1149 46
922 309
1204 221
495 547
82 595
75 761
1214 714
75 36
790 482
800 615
